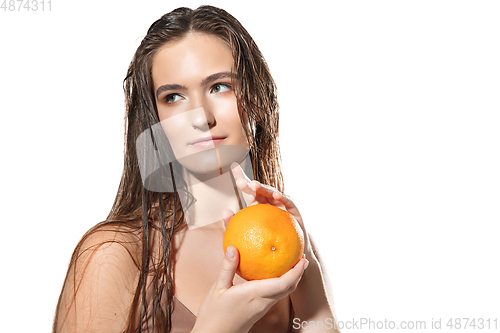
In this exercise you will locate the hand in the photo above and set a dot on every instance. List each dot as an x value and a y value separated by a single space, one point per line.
256 193
235 308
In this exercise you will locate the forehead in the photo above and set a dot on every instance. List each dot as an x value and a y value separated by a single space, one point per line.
193 57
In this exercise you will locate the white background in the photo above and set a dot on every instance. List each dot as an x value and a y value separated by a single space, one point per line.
390 136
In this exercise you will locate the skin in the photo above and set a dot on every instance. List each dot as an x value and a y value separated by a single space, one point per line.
201 102
103 279
193 81
195 100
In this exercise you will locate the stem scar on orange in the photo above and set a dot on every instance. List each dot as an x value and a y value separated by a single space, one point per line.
269 239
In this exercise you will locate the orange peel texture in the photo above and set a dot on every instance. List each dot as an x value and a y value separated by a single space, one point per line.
269 240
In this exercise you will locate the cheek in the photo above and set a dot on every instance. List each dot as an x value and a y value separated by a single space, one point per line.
229 118
238 131
172 127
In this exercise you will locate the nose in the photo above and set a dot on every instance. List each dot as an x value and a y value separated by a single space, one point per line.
202 119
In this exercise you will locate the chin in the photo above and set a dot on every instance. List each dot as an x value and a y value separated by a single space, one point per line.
212 162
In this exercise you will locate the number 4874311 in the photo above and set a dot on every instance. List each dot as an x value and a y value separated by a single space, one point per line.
26 5
472 323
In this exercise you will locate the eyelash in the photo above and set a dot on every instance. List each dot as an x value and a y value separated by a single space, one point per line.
221 84
169 96
211 90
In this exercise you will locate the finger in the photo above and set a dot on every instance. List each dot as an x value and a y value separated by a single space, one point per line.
248 193
238 172
255 191
251 190
250 187
244 186
285 284
242 181
265 193
293 276
287 202
228 269
264 189
227 215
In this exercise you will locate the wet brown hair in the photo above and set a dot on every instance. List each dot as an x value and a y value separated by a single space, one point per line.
143 213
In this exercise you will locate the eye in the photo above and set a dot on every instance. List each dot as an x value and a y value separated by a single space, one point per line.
172 98
220 87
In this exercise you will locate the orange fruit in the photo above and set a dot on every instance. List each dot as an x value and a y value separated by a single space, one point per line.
269 240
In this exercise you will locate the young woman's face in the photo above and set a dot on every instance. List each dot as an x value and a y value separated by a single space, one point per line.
196 102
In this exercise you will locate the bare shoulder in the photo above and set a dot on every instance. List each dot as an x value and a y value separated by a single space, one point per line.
106 247
101 281
110 242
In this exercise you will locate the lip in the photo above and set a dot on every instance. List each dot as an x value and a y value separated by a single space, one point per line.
210 141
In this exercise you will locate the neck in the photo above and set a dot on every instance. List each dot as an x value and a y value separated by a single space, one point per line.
213 194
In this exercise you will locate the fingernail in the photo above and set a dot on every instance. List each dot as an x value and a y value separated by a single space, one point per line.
229 253
234 165
306 264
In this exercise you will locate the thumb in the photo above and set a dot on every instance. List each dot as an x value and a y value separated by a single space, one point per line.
228 269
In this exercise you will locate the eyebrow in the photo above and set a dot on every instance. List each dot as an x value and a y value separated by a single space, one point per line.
205 81
167 87
217 76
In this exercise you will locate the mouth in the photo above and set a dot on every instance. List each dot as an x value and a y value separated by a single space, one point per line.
207 142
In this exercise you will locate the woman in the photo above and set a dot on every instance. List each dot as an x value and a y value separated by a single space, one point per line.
157 264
